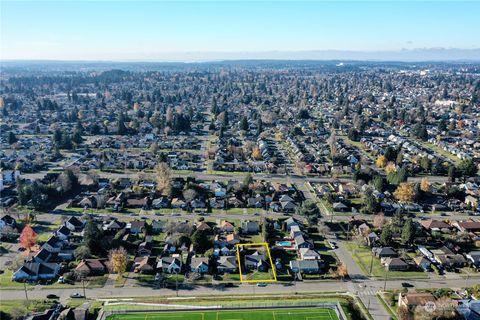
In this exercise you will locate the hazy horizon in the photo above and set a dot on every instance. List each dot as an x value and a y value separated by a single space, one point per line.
413 55
225 30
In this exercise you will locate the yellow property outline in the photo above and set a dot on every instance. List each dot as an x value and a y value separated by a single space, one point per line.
259 244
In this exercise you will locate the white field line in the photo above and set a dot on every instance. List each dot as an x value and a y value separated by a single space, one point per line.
162 305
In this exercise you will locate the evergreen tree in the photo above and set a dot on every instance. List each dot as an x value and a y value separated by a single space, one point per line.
408 232
12 138
121 129
244 124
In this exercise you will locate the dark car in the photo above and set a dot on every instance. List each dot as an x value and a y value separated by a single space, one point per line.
407 285
52 296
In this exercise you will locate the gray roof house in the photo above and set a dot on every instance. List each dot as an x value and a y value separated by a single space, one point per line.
34 271
227 264
306 266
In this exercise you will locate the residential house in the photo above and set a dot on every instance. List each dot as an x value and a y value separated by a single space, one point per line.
53 244
144 249
256 261
144 264
468 226
7 221
384 252
232 239
34 271
447 258
250 227
414 299
305 266
113 226
227 264
309 254
372 239
160 203
74 224
226 227
45 256
291 222
171 264
474 258
435 225
423 263
395 264
203 226
199 264
92 267
63 233
136 226
302 242
158 226
469 309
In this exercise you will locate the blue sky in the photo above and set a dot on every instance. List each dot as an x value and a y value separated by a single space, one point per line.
159 30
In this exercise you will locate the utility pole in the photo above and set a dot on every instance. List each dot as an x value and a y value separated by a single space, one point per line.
83 285
466 279
176 282
371 264
385 282
295 281
25 288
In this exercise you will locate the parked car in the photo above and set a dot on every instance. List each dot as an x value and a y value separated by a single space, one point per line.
76 295
407 285
52 296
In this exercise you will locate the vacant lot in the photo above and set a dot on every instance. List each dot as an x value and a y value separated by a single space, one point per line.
278 314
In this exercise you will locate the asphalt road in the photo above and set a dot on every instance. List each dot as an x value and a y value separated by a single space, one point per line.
360 287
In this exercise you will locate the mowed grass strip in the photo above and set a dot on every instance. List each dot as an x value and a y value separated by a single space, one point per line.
270 314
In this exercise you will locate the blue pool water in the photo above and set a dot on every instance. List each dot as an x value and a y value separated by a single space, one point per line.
284 243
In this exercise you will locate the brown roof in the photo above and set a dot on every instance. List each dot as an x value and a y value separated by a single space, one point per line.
137 224
91 265
226 224
136 202
470 225
434 224
417 298
232 237
202 226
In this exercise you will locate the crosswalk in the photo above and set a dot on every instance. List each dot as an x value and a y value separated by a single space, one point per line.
367 292
361 290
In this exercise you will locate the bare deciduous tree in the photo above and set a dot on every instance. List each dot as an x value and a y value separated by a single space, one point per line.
163 177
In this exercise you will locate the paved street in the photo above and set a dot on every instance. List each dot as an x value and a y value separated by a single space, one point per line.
358 284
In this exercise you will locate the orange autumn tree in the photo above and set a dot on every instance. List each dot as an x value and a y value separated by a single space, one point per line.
28 238
257 154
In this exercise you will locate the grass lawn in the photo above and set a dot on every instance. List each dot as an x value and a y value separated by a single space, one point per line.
363 256
236 211
32 306
144 280
175 278
286 314
120 280
6 281
254 238
96 282
257 275
440 151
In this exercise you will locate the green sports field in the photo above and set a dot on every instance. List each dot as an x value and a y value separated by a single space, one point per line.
274 314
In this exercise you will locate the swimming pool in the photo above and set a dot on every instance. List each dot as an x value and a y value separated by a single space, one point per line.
284 243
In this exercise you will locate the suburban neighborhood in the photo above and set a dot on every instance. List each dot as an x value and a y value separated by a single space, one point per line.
357 183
